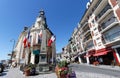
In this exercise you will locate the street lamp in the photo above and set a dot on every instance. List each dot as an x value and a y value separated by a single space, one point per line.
13 44
12 48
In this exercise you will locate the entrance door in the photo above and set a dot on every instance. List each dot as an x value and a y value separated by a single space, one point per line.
36 58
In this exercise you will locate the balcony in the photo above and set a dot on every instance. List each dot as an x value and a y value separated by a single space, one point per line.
109 25
87 38
86 32
108 22
113 37
104 12
84 24
88 44
97 4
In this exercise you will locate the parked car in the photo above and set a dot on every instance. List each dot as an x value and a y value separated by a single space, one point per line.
1 67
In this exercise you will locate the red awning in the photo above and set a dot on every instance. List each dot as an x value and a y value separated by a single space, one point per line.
99 54
103 51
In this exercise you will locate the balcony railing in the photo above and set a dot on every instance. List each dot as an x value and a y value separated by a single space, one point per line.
89 45
108 22
107 7
86 32
99 1
84 24
112 37
86 39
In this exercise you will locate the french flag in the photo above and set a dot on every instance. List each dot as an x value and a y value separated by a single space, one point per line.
26 40
51 40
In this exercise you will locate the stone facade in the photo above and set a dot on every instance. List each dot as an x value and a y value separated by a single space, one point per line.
38 52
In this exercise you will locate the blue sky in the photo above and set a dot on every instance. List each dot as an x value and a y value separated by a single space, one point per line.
62 17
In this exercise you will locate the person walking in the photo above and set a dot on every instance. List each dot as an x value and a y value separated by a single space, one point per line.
100 60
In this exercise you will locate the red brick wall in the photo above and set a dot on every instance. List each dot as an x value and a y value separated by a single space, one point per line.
113 2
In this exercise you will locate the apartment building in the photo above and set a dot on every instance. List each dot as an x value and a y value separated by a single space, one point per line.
98 33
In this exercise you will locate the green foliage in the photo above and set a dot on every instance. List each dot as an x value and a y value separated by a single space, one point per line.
30 66
62 64
65 71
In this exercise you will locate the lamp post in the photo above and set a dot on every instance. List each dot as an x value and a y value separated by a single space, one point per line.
12 48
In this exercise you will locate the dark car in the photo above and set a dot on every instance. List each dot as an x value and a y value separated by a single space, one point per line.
1 67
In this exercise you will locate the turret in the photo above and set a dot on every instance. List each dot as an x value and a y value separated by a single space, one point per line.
41 20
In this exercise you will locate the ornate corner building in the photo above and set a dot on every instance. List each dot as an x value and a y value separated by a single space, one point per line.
34 45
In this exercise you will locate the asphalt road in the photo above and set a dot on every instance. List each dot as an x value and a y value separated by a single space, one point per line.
94 69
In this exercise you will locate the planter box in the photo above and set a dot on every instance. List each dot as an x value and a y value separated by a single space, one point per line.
27 72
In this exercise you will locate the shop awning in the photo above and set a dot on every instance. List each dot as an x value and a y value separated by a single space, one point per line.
101 53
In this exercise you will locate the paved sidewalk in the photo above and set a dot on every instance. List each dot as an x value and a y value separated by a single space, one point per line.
16 73
92 75
104 66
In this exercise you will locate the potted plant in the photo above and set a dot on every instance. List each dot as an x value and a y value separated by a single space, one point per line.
71 74
33 69
62 69
64 72
30 69
27 70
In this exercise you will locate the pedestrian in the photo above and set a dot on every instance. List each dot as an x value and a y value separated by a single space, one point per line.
100 60
113 62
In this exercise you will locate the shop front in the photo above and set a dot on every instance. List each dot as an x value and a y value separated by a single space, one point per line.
104 56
